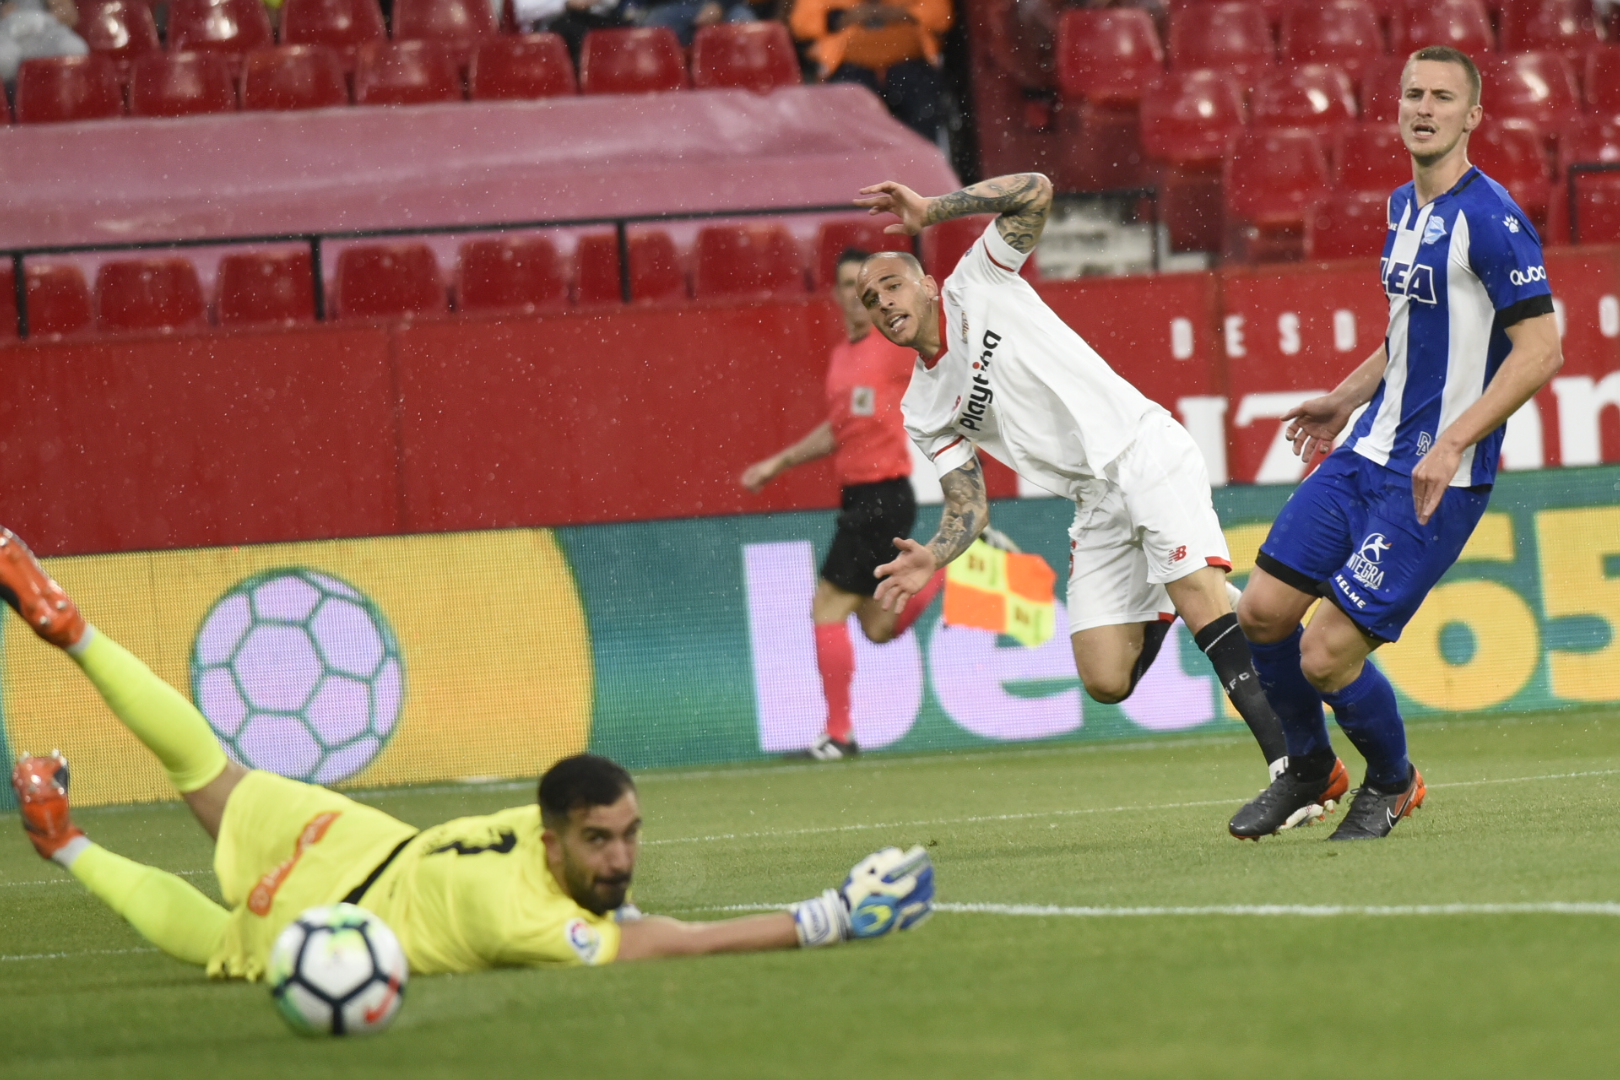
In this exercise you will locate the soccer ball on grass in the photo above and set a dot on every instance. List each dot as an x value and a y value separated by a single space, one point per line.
337 970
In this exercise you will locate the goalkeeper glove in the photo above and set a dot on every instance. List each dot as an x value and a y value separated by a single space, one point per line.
888 890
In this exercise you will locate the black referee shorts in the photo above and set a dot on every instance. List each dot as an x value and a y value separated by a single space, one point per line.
872 516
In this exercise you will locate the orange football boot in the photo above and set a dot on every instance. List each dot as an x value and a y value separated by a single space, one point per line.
42 603
41 784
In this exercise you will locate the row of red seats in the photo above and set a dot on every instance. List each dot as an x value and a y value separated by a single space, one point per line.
514 274
756 56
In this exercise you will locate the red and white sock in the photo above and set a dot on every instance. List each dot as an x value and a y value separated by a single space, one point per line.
919 603
835 657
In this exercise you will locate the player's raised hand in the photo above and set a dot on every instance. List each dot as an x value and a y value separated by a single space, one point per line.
905 577
899 200
1314 424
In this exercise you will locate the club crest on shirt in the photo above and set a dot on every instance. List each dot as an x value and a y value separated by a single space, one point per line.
1434 230
862 401
584 940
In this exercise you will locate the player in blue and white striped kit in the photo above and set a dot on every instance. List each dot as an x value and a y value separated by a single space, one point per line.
1472 335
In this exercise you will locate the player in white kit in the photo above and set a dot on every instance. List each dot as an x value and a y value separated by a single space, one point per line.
997 370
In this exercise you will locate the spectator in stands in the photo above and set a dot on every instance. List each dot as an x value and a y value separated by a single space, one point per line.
685 16
892 47
572 19
30 30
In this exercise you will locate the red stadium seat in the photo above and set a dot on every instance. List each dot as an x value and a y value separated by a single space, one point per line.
1228 36
232 27
1462 24
757 259
120 30
1602 80
1341 32
1510 152
1107 56
1349 225
8 302
383 280
833 238
181 84
517 66
1370 159
157 293
459 24
521 273
655 268
258 287
636 60
344 25
1564 26
57 88
292 77
1381 88
1591 140
1273 181
755 56
58 300
1316 96
1534 86
406 73
1187 121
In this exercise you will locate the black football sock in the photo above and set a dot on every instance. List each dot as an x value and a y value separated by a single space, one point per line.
1152 639
1228 651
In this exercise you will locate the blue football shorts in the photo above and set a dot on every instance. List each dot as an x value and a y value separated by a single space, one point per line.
1351 534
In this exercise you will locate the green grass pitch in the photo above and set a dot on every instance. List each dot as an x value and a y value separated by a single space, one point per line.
1519 812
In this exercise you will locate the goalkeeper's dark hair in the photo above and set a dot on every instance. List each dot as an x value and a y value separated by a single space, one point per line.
581 781
853 255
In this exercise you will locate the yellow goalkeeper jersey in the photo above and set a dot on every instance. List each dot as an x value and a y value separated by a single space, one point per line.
476 893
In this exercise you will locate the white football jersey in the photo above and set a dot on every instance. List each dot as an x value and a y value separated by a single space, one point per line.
1014 380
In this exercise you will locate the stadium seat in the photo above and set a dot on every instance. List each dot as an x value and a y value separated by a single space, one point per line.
232 27
155 293
1227 36
1272 181
1538 86
1107 56
1562 26
1510 151
1350 224
943 245
258 287
1381 88
833 238
515 66
1370 159
522 273
292 77
343 25
56 88
458 24
1341 32
120 30
386 280
1187 121
1601 80
1315 96
181 84
406 73
753 260
8 302
655 268
1590 140
58 300
1462 24
634 60
755 56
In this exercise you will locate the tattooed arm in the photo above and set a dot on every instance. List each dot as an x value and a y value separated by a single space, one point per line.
1022 201
967 512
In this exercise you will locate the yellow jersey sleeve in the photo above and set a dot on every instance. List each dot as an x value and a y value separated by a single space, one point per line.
476 893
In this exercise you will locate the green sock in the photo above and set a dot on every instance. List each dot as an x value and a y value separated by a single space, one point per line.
162 908
158 714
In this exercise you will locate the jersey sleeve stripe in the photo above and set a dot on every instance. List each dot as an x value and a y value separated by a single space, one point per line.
1528 308
1224 564
993 259
954 442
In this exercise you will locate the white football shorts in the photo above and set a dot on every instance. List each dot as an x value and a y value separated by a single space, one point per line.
1148 521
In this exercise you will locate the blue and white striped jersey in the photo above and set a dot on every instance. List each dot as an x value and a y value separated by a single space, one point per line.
1458 272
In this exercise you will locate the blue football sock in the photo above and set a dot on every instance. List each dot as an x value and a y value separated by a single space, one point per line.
1298 704
1367 712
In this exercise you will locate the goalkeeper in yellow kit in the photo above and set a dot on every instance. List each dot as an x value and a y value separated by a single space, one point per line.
545 884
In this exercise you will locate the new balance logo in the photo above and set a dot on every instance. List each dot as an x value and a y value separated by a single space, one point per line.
1179 554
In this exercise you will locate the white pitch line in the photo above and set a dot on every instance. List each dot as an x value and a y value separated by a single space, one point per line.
68 955
1550 907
